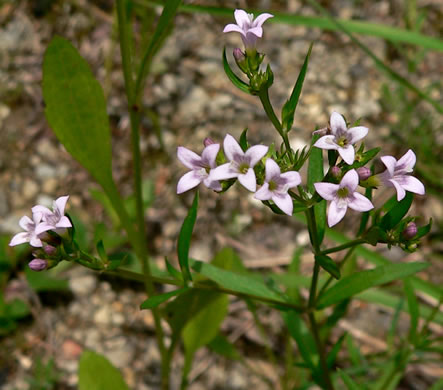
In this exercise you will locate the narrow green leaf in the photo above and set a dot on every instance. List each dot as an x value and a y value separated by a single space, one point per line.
358 282
293 292
76 109
101 251
289 107
237 81
365 158
156 300
348 381
223 347
328 265
244 140
333 353
414 312
423 230
395 215
354 352
228 260
96 372
184 239
171 270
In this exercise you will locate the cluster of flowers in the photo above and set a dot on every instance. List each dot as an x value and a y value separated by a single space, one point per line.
276 185
36 231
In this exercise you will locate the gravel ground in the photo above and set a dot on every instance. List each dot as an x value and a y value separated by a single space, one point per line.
193 99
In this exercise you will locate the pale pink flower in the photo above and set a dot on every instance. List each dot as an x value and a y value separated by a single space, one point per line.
38 264
397 175
56 218
200 168
276 186
342 196
241 163
249 28
342 139
33 228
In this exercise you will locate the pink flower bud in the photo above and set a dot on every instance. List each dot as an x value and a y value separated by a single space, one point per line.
239 56
363 173
38 264
50 250
336 171
208 141
410 231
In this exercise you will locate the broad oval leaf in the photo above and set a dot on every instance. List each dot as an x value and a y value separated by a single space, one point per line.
96 372
237 81
328 265
156 300
361 281
76 109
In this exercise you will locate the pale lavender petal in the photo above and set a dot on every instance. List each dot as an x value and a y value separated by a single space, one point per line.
41 209
241 17
263 192
293 178
284 203
350 180
255 153
212 184
401 193
233 28
412 184
26 223
347 154
209 155
407 162
188 158
272 169
327 191
359 202
258 22
63 223
257 31
336 212
232 148
19 238
390 163
43 227
326 142
187 181
223 172
248 180
36 242
337 122
61 204
357 133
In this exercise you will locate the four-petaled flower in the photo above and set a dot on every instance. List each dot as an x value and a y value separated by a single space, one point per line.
249 28
200 168
342 139
396 175
55 219
33 228
276 186
342 196
241 163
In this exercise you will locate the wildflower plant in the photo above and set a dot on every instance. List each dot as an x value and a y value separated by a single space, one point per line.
198 303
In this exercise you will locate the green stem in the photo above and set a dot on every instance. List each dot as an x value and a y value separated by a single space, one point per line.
347 245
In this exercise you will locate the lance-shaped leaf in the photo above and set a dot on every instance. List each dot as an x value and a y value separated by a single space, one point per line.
414 310
156 300
328 265
184 239
76 109
288 109
237 81
361 281
395 214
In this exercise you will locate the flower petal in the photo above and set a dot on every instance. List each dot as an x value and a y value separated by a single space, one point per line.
61 204
336 212
326 142
390 163
19 238
233 28
36 242
357 133
43 227
241 17
407 162
347 154
257 31
209 155
187 181
223 172
327 191
293 178
41 209
401 193
263 192
232 149
63 223
338 123
248 180
412 184
359 202
258 22
272 170
284 203
255 153
26 223
188 158
350 180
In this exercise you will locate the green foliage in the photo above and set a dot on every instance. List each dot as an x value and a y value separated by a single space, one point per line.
220 344
328 265
237 81
44 376
396 213
10 313
96 372
45 281
156 300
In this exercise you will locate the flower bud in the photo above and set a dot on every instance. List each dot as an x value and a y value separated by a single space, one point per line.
410 230
364 173
238 55
50 250
336 171
208 141
38 264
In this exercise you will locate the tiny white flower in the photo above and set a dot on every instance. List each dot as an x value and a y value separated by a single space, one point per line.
56 218
33 228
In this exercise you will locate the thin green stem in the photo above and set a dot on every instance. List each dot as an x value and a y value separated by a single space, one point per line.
347 245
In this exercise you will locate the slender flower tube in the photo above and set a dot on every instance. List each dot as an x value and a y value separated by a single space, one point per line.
342 139
397 175
249 28
56 218
33 228
241 163
342 196
200 168
276 186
